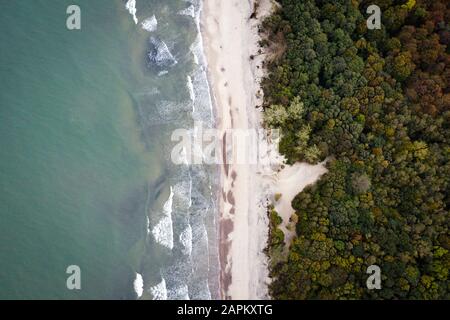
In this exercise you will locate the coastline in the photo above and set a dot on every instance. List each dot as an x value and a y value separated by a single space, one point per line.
235 70
230 37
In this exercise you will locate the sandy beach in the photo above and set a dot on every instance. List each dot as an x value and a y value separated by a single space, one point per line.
230 39
229 31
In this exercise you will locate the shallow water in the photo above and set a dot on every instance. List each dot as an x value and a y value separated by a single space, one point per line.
85 172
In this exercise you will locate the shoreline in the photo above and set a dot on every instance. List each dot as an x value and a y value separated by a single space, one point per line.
234 84
247 190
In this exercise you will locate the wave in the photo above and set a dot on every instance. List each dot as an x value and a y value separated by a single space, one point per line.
163 231
176 277
200 290
190 190
150 24
154 110
189 11
187 214
138 285
204 104
182 193
159 291
179 293
159 54
170 111
186 240
191 89
131 7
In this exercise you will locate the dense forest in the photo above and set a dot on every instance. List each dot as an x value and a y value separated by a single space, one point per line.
376 105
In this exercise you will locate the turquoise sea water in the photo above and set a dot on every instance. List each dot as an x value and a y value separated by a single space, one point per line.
85 171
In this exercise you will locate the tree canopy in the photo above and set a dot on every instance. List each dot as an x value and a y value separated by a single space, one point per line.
375 103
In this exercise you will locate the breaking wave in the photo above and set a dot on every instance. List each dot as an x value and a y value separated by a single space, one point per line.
159 54
138 285
179 293
186 240
163 231
189 11
188 214
150 24
191 89
159 291
131 7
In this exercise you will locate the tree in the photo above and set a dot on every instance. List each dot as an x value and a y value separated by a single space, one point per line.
377 105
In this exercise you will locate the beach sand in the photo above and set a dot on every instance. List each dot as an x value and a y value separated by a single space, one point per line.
230 38
289 182
230 33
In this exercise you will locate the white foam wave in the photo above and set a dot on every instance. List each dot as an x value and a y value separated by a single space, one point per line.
186 240
138 285
182 195
163 231
190 88
131 7
203 104
150 24
171 110
196 61
159 291
179 293
190 190
201 290
160 54
188 277
189 11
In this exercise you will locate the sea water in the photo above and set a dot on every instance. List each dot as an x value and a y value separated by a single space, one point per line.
86 178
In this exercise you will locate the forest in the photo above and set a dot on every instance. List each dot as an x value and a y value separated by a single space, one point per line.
376 105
